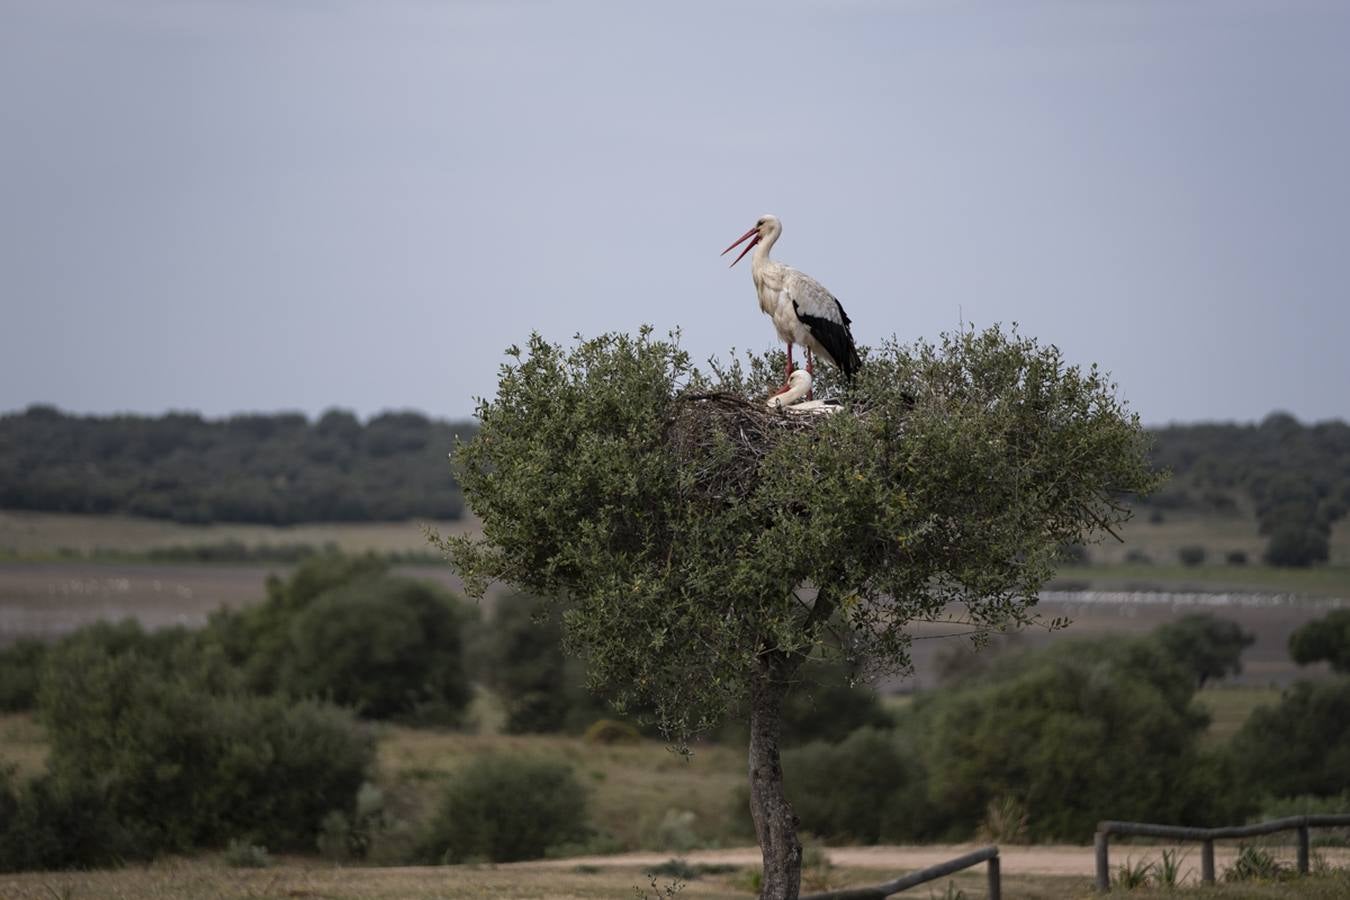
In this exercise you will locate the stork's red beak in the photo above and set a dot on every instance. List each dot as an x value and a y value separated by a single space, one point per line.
753 231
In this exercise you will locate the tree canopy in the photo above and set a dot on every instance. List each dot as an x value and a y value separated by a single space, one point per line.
1327 638
605 475
1205 645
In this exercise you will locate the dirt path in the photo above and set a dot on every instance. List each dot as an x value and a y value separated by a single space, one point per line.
1038 860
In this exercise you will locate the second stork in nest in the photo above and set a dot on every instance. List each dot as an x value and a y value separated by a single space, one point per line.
803 311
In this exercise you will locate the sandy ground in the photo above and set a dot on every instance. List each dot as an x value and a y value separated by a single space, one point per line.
1037 860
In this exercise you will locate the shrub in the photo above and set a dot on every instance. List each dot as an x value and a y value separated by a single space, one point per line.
1191 554
20 666
608 731
1255 864
1070 733
1297 546
53 822
1205 645
343 837
1236 557
384 646
1301 745
542 689
674 831
243 855
504 809
184 768
1327 638
254 642
854 790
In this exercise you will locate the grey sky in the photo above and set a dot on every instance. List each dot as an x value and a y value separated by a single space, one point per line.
252 205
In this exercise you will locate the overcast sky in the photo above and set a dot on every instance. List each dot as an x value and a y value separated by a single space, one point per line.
230 205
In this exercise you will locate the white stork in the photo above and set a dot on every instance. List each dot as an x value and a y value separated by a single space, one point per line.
803 311
794 398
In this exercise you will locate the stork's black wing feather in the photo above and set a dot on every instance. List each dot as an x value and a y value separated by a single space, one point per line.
835 337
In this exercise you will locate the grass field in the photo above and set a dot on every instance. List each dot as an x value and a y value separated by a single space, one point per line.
59 536
638 791
48 536
209 879
1229 707
1218 535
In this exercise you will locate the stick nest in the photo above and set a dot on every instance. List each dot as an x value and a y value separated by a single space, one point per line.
722 439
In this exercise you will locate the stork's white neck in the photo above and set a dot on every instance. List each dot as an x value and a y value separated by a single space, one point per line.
760 258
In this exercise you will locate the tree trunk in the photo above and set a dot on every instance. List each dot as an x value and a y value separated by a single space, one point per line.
775 823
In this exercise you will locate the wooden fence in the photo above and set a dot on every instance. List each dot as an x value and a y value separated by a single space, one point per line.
1207 837
914 879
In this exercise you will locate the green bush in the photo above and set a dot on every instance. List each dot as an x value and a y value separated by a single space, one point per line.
1325 639
20 666
1191 555
184 768
1301 745
1205 645
387 647
254 642
859 790
62 823
608 731
1296 546
504 809
542 689
1083 731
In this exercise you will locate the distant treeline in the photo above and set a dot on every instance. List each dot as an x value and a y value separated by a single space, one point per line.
283 468
274 469
1294 477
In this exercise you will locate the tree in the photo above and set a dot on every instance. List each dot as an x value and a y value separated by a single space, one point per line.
387 647
1205 645
1327 638
704 547
1300 746
1296 545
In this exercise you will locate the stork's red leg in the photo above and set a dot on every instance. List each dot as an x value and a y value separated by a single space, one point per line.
811 370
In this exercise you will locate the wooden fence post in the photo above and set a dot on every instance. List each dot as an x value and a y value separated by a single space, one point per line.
1207 862
1303 850
995 880
1103 863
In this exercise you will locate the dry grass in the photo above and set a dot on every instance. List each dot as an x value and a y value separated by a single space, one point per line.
632 787
29 534
1322 581
1229 707
208 879
1219 535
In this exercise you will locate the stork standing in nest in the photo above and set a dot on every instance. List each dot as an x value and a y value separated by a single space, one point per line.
803 311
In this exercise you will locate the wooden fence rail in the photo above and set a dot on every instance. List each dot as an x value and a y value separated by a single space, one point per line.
1207 837
913 879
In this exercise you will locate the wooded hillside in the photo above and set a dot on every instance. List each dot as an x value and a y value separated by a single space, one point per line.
275 469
